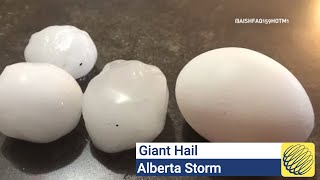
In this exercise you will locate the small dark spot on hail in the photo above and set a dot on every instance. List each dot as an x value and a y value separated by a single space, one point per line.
117 125
80 64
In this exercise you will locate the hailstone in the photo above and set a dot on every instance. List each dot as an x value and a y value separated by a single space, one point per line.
236 94
64 46
126 103
39 102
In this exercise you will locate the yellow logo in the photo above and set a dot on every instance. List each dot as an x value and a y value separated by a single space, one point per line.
298 160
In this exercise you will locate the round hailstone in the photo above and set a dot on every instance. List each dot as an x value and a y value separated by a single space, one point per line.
64 46
126 103
39 102
236 94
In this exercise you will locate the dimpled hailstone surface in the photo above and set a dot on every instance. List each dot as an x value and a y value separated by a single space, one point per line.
39 102
236 94
126 103
64 46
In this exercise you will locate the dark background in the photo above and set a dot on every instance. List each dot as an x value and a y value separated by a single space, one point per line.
165 33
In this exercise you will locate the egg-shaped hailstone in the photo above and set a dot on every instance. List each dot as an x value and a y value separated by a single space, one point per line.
236 94
126 103
39 102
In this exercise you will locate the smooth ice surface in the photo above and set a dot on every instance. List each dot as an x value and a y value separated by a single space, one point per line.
65 46
236 94
39 102
126 103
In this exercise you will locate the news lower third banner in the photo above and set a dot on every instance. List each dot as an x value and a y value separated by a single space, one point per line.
225 159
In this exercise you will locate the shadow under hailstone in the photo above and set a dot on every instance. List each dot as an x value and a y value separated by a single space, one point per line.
122 162
190 135
168 132
125 162
36 158
84 81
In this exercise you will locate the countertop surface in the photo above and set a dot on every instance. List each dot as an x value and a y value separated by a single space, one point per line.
165 33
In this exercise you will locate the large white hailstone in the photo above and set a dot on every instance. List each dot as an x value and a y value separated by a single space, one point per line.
239 95
39 102
126 103
64 46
